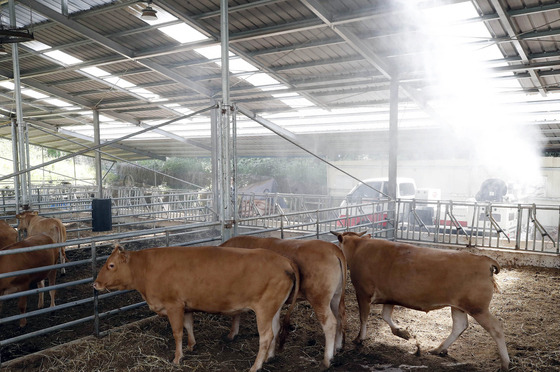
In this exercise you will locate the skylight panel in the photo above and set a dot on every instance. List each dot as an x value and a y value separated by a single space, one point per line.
211 52
183 33
297 102
239 65
261 79
104 118
95 71
178 108
63 58
33 94
7 84
122 83
36 45
57 102
145 93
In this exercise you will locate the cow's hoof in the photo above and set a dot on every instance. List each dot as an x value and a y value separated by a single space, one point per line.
442 353
358 342
402 333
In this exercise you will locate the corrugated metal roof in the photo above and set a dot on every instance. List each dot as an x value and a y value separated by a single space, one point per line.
332 56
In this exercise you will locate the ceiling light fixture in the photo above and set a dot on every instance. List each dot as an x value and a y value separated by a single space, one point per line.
149 13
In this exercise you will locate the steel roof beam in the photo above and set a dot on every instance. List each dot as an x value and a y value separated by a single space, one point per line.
189 21
125 52
114 46
507 23
115 145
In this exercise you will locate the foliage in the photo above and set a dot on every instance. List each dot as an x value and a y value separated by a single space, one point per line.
297 175
293 175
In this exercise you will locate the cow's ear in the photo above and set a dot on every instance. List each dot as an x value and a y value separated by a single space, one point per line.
362 233
123 255
35 213
19 216
368 236
338 235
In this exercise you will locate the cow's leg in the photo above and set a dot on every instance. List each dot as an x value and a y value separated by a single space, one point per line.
364 302
275 330
176 316
339 310
460 323
41 301
264 326
188 323
328 323
494 327
62 260
235 320
22 305
52 281
387 314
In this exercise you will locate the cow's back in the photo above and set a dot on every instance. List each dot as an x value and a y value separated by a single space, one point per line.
28 260
53 227
210 279
8 235
422 278
316 259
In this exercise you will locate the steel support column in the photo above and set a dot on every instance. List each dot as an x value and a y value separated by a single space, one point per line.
226 192
15 162
393 150
97 141
22 136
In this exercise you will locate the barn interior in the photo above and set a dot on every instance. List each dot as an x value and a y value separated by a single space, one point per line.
447 93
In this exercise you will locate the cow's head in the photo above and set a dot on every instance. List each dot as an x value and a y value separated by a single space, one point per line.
340 236
348 240
24 218
115 274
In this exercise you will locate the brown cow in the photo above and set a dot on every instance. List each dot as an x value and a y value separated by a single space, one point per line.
8 235
322 268
34 224
423 279
25 261
175 280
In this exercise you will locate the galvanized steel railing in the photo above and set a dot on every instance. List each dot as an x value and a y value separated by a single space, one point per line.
519 227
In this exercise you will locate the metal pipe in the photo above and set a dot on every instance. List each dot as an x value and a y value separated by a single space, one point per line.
108 143
97 141
393 150
95 293
15 163
19 111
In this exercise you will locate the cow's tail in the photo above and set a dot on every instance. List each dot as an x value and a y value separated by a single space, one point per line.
61 232
494 269
285 328
341 304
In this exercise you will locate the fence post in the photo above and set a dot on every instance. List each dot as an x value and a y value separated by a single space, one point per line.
95 297
518 229
317 223
282 225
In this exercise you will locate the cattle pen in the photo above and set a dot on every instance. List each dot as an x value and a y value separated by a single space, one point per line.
137 136
137 223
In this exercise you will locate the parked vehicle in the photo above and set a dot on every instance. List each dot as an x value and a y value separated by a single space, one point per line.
372 192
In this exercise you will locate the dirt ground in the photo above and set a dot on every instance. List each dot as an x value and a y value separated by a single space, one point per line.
528 306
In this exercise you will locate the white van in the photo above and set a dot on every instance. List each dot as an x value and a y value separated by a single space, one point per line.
372 190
